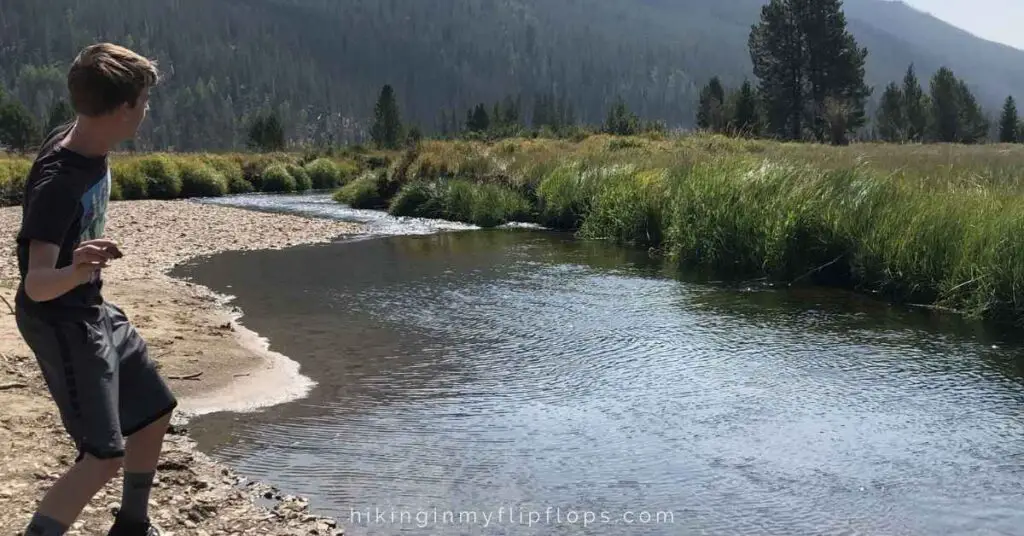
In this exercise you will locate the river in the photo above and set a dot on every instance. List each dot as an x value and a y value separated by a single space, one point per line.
519 381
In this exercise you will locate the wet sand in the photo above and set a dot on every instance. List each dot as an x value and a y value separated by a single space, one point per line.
213 362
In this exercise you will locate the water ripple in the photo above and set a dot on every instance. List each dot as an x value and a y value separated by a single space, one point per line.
518 370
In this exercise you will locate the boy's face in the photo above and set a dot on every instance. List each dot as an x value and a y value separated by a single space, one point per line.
132 116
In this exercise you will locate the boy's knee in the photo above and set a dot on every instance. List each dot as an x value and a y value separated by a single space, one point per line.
157 428
103 468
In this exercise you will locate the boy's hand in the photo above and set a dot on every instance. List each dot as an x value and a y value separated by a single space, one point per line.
44 282
92 256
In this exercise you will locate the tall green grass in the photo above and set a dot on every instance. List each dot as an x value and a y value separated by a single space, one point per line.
486 205
940 226
183 175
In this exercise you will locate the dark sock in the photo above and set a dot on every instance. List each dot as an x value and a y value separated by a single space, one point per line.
135 497
45 526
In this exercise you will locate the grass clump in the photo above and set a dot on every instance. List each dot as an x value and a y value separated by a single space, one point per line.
326 174
485 205
628 206
231 169
565 195
276 178
481 204
201 180
129 182
162 178
419 200
13 174
302 181
366 192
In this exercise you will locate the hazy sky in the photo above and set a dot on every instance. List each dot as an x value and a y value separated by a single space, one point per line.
996 20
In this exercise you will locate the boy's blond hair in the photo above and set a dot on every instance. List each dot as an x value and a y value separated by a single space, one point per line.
105 76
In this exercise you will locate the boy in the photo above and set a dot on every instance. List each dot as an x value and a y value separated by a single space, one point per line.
111 399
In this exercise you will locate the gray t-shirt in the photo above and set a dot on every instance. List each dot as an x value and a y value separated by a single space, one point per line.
66 197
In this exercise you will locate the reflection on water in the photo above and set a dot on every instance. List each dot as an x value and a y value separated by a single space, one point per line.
488 371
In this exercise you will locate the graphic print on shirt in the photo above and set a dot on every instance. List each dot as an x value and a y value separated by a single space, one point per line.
94 209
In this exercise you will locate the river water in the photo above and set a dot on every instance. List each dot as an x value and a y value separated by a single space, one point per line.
522 382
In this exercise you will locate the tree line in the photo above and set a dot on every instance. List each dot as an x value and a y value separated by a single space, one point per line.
809 81
810 87
551 117
318 64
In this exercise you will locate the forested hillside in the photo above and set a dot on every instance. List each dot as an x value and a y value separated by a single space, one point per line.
323 62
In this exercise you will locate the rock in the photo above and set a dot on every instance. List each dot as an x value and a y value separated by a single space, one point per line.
189 524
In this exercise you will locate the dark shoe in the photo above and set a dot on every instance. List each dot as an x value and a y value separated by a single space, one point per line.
122 528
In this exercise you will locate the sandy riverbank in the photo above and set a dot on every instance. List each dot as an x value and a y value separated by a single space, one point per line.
191 332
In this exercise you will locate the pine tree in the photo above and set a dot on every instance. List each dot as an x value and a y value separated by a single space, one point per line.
891 123
497 117
477 119
945 108
744 118
266 133
777 53
915 107
443 128
60 114
510 112
835 67
414 136
974 125
809 68
541 111
274 132
18 129
956 116
620 120
711 113
1008 123
386 131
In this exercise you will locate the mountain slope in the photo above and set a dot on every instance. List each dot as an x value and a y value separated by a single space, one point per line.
322 62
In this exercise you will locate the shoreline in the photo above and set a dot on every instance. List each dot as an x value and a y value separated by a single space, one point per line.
212 361
248 391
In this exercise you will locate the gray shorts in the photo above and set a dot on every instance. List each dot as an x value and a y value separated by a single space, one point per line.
101 377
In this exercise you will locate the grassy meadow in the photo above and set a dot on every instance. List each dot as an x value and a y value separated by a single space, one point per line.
939 225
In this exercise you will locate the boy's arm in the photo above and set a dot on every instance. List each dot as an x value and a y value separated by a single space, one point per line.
51 205
45 282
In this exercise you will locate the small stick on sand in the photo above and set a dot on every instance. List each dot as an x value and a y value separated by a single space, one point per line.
193 376
8 304
15 385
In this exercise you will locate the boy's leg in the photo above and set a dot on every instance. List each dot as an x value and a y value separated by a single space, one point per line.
146 404
65 500
82 376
